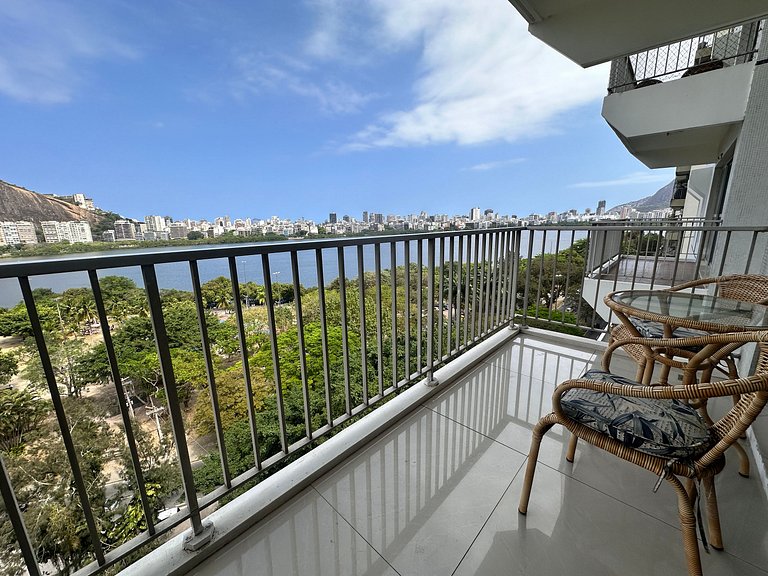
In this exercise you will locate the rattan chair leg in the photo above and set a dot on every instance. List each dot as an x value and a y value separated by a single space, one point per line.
713 515
570 455
688 526
743 459
538 433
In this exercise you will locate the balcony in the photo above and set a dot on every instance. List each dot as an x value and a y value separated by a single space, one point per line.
593 31
370 414
438 492
679 104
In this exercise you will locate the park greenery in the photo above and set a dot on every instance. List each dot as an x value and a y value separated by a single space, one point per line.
361 365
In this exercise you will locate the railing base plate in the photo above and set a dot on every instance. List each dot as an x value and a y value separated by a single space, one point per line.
193 543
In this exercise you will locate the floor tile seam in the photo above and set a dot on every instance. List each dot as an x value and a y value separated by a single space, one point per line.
348 523
491 438
611 496
488 518
590 362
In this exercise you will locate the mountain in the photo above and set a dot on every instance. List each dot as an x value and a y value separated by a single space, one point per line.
17 203
657 201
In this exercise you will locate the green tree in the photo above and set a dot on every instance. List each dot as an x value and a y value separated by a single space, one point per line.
9 366
217 293
20 413
43 481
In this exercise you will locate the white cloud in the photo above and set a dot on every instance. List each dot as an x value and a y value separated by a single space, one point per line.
481 76
259 73
43 48
632 179
494 165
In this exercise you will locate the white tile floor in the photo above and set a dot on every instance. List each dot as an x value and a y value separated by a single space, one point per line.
438 495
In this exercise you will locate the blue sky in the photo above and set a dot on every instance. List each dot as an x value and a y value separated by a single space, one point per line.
200 108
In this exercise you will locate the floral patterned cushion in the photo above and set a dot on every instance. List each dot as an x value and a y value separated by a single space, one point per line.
667 428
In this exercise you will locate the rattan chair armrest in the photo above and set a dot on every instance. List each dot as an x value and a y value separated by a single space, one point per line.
755 383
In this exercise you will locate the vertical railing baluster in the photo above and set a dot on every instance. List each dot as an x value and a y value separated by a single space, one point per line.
554 276
467 313
541 271
17 521
725 252
344 328
599 278
440 300
431 307
201 534
501 246
587 252
489 282
244 358
393 321
751 252
475 287
449 332
205 340
678 248
301 343
568 275
122 400
637 254
363 331
379 320
482 280
507 271
324 334
269 301
459 283
655 258
407 311
61 418
420 306
527 288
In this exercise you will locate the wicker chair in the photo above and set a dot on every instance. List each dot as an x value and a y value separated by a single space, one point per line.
684 447
745 287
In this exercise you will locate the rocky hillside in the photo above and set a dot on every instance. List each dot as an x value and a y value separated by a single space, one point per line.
18 203
657 201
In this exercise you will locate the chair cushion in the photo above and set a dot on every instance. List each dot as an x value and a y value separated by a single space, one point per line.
651 329
660 427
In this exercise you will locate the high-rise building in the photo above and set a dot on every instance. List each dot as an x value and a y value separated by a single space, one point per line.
178 230
332 218
365 216
474 214
601 207
155 223
124 230
21 232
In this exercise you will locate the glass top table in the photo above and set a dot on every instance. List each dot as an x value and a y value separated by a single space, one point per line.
700 311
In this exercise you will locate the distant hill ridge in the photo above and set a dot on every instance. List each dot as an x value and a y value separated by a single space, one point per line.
17 203
657 201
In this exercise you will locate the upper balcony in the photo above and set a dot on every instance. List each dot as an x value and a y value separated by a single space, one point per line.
368 413
683 103
590 32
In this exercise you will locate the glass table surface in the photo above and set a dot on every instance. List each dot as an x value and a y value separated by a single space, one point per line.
704 308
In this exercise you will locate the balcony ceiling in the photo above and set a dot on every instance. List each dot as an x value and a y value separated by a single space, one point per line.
590 32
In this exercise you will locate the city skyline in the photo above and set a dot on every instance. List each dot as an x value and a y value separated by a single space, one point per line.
283 107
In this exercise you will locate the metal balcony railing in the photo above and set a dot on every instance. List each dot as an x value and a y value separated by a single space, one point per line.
727 47
399 308
271 368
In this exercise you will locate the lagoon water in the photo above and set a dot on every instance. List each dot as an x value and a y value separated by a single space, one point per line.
176 275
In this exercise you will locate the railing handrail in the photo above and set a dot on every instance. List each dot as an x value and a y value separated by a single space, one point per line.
82 262
33 266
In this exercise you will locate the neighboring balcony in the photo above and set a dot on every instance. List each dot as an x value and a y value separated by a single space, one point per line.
346 406
677 105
